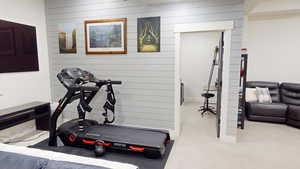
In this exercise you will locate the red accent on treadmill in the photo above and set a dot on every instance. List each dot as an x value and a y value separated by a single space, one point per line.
103 144
135 148
72 138
59 108
88 141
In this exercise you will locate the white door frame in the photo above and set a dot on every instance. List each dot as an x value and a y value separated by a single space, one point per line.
225 27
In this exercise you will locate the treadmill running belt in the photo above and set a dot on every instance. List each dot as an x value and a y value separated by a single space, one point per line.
128 135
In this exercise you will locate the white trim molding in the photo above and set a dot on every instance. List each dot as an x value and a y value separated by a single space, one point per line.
177 85
225 27
201 27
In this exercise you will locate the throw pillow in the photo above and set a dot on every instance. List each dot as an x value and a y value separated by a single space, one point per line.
251 95
263 95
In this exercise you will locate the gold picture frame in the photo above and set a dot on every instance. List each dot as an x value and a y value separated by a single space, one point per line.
106 36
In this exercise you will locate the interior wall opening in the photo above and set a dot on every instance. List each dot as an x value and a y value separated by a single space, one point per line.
197 51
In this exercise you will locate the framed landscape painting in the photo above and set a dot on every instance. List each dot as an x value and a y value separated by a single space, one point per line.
148 34
67 38
106 36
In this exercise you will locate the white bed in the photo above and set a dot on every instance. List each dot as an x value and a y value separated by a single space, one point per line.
64 157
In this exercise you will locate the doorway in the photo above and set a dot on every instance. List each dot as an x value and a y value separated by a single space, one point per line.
225 27
199 67
196 56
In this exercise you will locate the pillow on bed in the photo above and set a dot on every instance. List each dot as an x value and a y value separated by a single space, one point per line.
263 95
251 95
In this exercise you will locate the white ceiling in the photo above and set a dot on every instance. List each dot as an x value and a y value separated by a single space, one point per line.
250 4
272 7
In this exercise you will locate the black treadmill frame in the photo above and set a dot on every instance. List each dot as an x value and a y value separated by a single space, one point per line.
74 93
82 139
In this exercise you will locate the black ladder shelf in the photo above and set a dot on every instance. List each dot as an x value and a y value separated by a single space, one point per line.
242 92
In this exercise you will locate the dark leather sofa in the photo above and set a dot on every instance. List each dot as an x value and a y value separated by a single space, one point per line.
290 95
285 106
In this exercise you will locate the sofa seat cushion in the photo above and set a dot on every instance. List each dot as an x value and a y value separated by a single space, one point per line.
272 110
294 112
267 119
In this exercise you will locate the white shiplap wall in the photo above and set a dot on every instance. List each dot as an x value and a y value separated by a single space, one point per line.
146 97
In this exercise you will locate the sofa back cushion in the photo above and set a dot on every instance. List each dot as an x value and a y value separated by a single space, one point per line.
272 86
290 93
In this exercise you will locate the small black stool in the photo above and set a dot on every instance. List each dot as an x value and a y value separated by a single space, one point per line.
206 107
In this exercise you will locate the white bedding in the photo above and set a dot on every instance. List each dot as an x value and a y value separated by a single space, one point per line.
64 157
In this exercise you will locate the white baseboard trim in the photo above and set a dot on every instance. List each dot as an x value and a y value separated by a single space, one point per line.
228 139
193 99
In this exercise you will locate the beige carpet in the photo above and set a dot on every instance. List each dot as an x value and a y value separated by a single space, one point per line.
260 146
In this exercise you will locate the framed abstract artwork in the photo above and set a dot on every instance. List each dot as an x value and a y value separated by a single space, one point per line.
67 38
148 39
106 36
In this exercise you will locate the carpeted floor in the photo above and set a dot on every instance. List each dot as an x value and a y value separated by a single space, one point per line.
137 159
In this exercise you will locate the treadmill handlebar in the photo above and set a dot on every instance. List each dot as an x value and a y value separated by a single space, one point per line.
89 88
75 78
79 86
105 82
116 82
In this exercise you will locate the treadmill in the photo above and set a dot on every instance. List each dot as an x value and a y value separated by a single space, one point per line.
83 86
